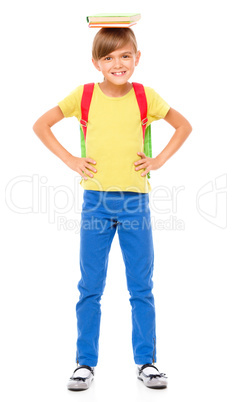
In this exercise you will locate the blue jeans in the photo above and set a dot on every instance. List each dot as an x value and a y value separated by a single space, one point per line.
104 213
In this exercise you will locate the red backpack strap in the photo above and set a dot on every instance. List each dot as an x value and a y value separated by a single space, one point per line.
85 105
142 102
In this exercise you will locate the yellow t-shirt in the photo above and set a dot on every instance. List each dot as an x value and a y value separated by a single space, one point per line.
114 136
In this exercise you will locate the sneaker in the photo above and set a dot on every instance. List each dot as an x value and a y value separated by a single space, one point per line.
81 379
151 376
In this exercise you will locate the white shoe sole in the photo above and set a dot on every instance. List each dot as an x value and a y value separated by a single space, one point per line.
154 383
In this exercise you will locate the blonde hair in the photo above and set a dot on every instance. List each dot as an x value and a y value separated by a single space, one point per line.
109 39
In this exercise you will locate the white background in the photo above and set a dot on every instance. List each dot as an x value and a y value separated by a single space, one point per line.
46 53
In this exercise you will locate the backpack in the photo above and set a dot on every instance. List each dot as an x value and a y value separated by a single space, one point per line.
142 103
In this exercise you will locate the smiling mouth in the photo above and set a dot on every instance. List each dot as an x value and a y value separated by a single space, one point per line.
119 73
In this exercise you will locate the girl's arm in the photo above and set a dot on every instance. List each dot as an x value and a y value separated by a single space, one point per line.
42 128
183 129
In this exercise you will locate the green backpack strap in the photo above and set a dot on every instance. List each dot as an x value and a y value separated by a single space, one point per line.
83 147
142 102
147 142
148 145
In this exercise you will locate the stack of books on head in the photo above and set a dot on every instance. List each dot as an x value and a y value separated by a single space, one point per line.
112 20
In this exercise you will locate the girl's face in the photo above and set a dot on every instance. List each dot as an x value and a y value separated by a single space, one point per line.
118 66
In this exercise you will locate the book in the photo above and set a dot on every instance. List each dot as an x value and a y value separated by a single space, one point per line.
113 20
98 18
107 25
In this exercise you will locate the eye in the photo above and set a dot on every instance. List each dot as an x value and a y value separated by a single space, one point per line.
107 58
125 56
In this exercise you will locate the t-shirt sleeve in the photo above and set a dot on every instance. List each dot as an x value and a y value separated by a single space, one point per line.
71 104
157 107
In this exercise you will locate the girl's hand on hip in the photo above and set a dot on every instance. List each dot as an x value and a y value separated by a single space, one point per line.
147 163
83 166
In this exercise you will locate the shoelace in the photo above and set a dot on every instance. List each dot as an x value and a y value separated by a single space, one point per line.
157 375
79 378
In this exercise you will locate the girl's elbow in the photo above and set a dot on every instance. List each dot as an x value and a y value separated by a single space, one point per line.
34 127
190 129
37 127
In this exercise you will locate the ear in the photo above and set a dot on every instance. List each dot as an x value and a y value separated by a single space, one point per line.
137 57
96 65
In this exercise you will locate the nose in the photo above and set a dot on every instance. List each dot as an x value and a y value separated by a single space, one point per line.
117 62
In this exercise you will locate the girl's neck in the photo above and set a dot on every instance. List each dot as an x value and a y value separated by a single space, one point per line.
115 91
